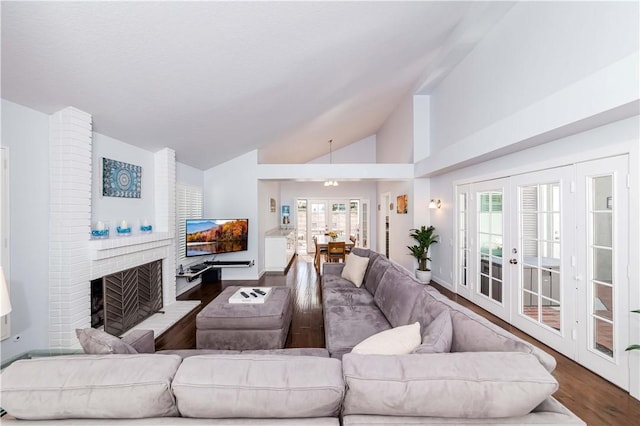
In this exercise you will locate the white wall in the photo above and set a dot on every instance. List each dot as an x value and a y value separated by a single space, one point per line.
399 224
115 209
26 133
421 127
536 50
267 219
362 151
187 175
231 191
395 136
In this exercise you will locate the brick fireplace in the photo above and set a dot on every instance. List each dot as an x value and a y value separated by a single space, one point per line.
74 259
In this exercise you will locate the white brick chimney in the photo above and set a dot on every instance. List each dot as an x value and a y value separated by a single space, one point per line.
74 259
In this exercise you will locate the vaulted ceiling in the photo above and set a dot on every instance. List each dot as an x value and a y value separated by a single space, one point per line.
214 80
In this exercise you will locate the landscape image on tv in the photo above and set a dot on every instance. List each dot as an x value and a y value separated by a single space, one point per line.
213 236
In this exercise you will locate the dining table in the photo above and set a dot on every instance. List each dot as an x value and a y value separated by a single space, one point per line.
322 242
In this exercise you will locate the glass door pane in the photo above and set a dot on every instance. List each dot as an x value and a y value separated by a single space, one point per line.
363 239
539 242
489 236
301 223
317 219
339 218
600 264
354 219
463 240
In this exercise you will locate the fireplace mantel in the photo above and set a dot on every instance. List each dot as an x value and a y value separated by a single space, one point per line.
119 246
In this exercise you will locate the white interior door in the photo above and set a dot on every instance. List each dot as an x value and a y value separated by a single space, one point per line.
542 208
603 260
489 228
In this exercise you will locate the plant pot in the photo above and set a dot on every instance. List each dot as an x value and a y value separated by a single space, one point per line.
423 276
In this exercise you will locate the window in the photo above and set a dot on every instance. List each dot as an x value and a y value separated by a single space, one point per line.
188 206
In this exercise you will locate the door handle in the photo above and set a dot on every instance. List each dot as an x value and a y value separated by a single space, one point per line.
513 261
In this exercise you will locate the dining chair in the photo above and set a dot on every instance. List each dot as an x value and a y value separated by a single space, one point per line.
321 254
352 238
336 251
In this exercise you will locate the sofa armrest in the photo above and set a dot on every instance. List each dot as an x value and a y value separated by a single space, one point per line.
141 340
332 268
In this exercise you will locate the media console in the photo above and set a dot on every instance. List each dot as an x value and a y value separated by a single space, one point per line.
194 271
229 263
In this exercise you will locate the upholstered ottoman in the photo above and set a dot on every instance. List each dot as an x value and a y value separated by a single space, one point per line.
242 326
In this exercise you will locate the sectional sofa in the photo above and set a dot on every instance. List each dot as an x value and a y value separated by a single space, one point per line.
453 370
464 371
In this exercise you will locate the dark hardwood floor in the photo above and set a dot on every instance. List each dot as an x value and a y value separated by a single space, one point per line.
592 398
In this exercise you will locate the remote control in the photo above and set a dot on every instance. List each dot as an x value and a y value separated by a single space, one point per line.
253 294
245 295
259 291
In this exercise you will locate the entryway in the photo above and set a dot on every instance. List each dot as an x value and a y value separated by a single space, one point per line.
347 217
547 251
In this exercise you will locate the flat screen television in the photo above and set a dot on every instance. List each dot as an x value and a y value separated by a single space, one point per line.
215 236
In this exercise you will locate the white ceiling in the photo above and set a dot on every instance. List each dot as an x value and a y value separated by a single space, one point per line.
214 80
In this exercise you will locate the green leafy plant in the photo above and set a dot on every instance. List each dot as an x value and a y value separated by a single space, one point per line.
634 347
424 237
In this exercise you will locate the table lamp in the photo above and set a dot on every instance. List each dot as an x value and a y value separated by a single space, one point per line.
5 303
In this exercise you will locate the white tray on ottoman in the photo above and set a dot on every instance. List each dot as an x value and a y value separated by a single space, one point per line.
243 326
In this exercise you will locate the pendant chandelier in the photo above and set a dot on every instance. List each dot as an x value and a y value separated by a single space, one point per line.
331 182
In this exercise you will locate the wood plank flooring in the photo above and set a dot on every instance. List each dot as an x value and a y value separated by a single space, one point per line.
592 398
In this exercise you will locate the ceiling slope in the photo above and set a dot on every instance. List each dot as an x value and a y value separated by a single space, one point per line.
214 80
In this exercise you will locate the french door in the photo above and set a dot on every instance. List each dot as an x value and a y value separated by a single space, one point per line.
547 251
602 262
349 217
488 229
543 256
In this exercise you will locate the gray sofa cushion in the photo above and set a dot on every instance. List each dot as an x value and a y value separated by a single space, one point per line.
346 326
90 386
427 307
258 386
471 332
98 342
332 276
437 336
378 265
346 297
491 384
396 295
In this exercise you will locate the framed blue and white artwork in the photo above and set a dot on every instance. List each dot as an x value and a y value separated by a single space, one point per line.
121 179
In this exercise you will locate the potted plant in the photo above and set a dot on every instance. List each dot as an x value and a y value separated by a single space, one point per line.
424 237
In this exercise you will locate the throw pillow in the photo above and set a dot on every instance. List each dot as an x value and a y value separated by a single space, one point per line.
97 342
396 341
354 269
437 336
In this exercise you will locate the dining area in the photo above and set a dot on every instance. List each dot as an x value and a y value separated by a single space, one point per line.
331 249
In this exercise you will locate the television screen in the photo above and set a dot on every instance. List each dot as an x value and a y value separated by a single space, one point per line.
214 236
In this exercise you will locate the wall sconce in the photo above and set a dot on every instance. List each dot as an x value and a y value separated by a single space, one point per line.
435 204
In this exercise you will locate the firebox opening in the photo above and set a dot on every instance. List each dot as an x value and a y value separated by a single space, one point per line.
97 303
